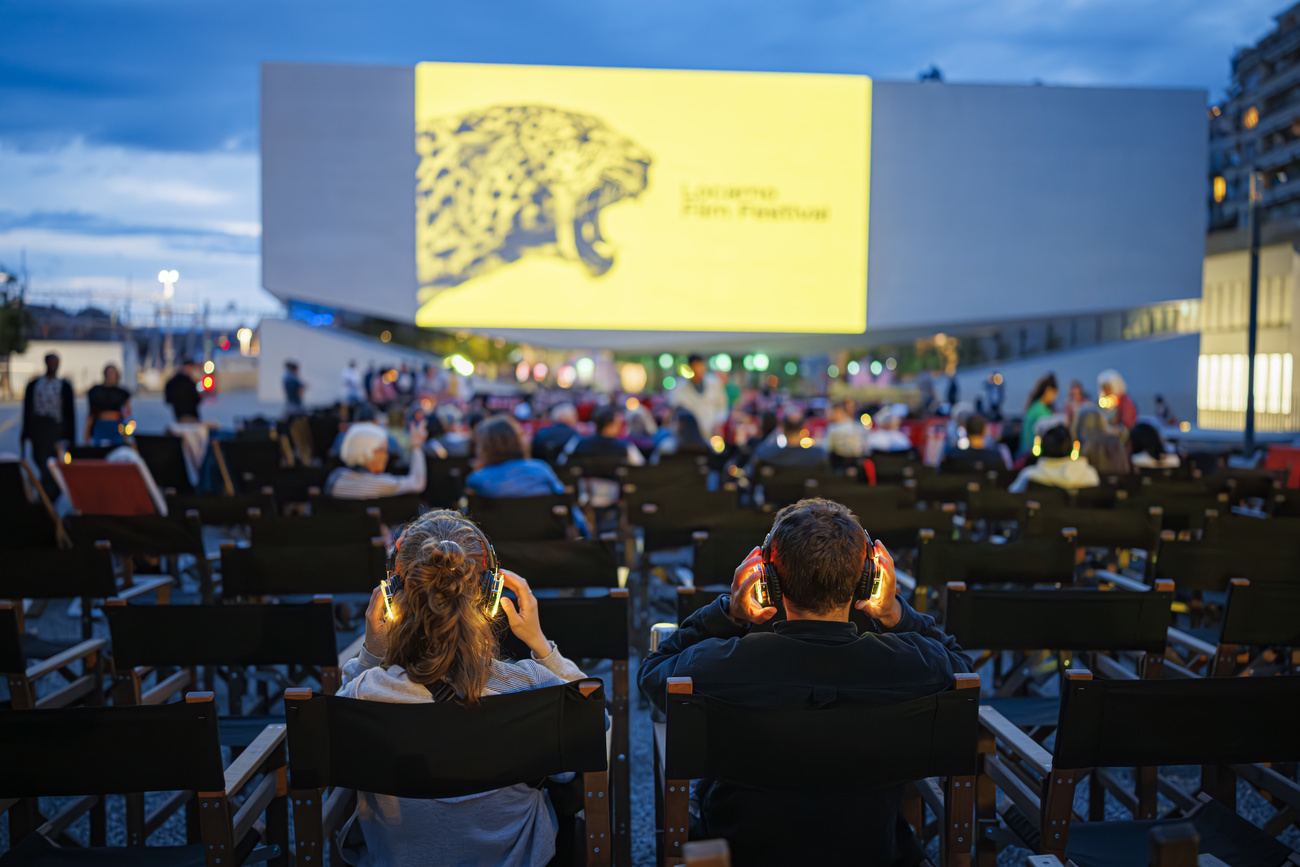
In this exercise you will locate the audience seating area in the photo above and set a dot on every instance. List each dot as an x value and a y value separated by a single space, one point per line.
1136 648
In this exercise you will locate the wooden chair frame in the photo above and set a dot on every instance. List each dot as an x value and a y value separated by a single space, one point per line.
89 685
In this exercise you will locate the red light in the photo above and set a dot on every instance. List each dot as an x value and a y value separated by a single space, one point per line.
208 382
225 344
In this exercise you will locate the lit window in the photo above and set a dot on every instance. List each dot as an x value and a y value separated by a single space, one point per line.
1274 382
1250 118
1220 188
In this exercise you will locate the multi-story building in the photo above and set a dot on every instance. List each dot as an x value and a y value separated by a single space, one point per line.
1255 129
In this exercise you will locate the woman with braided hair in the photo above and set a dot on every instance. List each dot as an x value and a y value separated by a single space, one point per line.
441 643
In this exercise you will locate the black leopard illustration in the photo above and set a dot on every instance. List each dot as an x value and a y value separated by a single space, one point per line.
496 185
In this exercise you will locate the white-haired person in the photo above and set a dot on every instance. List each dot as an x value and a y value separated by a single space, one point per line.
886 433
364 453
1114 399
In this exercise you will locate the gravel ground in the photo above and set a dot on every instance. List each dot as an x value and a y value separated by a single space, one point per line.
55 624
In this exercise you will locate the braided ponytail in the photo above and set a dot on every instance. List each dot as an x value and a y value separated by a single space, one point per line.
441 631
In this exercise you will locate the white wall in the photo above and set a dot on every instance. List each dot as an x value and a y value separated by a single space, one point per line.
81 362
1164 366
321 353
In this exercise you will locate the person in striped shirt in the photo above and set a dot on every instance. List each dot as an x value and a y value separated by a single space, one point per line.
364 453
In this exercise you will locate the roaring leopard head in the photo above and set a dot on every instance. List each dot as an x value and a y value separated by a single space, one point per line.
510 181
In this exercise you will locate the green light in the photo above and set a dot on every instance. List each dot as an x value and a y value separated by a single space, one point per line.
853 368
832 371
791 368
670 382
722 362
876 368
760 361
666 360
747 362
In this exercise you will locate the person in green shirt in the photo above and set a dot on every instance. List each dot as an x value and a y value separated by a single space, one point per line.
1038 407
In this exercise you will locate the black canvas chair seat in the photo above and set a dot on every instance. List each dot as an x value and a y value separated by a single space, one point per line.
1224 834
1027 711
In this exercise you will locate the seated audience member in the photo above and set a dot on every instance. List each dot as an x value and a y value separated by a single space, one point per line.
364 453
441 641
886 434
549 442
1055 466
788 449
1099 442
453 439
503 466
846 435
1149 450
110 406
1114 398
979 449
608 440
814 658
684 437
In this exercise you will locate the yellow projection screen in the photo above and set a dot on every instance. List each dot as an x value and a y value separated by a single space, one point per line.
575 198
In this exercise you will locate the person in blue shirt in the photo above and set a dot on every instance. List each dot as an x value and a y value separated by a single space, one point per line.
504 468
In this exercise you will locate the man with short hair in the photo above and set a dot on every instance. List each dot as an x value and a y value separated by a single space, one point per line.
549 442
702 395
182 392
293 388
815 658
608 441
794 447
48 418
979 452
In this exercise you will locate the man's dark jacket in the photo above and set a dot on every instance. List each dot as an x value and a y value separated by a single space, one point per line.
803 664
34 429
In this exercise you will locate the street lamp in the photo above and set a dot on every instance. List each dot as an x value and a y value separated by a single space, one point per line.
245 336
168 279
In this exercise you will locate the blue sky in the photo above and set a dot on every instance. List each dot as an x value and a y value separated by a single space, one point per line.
129 131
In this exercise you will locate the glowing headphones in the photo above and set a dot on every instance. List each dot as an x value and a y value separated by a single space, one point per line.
769 585
491 577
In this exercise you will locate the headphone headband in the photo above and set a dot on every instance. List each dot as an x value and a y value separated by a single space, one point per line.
490 563
771 580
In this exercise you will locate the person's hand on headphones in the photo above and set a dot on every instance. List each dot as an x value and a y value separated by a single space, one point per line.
376 642
522 614
884 606
744 607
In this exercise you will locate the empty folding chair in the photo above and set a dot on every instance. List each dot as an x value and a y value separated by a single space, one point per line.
564 563
25 663
1114 529
327 529
1139 723
594 625
30 519
394 510
839 754
524 519
94 752
1259 634
347 745
1209 566
226 640
1047 560
287 570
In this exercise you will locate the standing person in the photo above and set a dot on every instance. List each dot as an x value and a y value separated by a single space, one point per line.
110 406
703 396
1038 407
1121 410
351 384
49 418
1077 400
182 391
814 657
293 388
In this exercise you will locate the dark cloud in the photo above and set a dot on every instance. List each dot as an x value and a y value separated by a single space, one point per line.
178 237
183 76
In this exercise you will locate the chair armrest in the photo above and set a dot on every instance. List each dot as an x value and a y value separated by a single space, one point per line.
1269 780
54 663
1111 668
352 651
241 770
143 586
1190 642
661 746
337 808
1123 582
1019 743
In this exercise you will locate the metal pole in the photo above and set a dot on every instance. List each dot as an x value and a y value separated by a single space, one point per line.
1256 201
